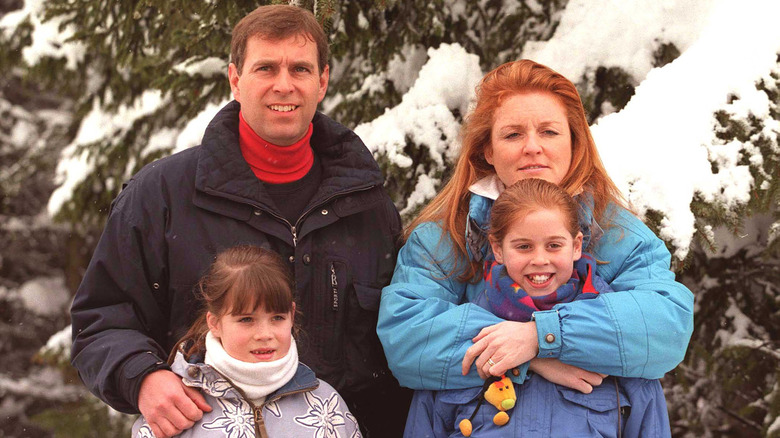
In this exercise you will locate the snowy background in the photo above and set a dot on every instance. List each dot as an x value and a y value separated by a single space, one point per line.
664 147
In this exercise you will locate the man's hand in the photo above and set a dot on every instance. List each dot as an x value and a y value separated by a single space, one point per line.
566 375
169 406
507 345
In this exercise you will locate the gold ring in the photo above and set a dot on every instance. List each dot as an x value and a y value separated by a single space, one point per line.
491 363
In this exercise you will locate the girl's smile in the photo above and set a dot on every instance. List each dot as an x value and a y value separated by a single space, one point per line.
539 251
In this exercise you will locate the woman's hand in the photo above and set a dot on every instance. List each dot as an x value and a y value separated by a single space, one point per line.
506 344
566 375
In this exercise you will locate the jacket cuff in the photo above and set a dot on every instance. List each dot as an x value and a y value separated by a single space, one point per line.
134 370
548 329
519 374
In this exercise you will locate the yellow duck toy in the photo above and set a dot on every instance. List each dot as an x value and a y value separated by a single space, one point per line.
499 392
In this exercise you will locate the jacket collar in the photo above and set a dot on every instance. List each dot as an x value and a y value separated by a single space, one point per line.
222 171
483 193
197 374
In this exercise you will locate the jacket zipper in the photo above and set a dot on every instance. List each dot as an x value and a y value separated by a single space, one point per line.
294 228
334 284
257 413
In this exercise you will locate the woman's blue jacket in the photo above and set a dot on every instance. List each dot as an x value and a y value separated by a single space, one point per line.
426 322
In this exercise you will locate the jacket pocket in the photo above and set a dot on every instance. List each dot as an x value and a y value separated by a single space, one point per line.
367 296
362 306
595 414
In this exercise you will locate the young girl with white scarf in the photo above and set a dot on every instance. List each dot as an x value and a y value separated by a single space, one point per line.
241 354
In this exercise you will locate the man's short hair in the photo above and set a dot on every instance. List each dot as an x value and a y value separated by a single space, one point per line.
278 22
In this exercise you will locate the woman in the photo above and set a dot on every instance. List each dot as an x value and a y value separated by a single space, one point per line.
529 122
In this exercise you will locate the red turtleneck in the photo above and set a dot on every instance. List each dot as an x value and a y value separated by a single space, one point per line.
271 163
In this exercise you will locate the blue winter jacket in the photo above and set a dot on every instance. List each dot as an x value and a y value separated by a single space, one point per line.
544 409
426 321
620 407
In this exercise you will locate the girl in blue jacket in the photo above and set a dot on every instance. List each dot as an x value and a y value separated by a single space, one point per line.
537 262
528 122
241 354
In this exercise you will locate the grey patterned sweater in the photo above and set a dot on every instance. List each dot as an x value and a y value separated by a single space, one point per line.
304 407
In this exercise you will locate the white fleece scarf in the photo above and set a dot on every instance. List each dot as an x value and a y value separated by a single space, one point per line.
257 380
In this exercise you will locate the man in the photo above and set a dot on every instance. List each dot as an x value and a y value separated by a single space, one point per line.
271 172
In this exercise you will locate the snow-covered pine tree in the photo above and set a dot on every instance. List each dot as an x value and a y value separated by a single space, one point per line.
729 382
144 78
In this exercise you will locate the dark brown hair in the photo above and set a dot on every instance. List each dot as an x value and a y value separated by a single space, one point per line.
275 23
240 280
586 173
527 196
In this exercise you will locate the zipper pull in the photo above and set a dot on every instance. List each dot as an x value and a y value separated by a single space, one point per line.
295 236
334 284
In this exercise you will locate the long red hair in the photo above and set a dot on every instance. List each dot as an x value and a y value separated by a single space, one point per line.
586 173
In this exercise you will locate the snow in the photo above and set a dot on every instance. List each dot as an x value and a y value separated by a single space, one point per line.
425 114
192 134
43 384
402 70
207 67
774 427
622 33
99 125
424 190
45 296
48 40
658 149
59 343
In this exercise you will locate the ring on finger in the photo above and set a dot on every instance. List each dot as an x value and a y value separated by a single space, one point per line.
491 363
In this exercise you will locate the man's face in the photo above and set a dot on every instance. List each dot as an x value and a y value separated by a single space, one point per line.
279 87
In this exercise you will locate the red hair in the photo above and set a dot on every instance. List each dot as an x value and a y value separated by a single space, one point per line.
527 196
586 173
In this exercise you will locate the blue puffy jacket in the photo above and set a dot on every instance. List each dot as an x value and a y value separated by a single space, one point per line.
544 410
426 321
636 407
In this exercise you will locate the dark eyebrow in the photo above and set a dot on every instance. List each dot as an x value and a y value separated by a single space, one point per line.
260 62
305 64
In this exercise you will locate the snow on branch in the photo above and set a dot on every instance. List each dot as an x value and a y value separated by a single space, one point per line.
100 125
426 116
659 148
49 37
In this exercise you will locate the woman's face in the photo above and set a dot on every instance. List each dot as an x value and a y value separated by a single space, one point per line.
530 139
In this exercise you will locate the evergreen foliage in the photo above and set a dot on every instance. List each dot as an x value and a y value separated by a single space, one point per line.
728 384
135 60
